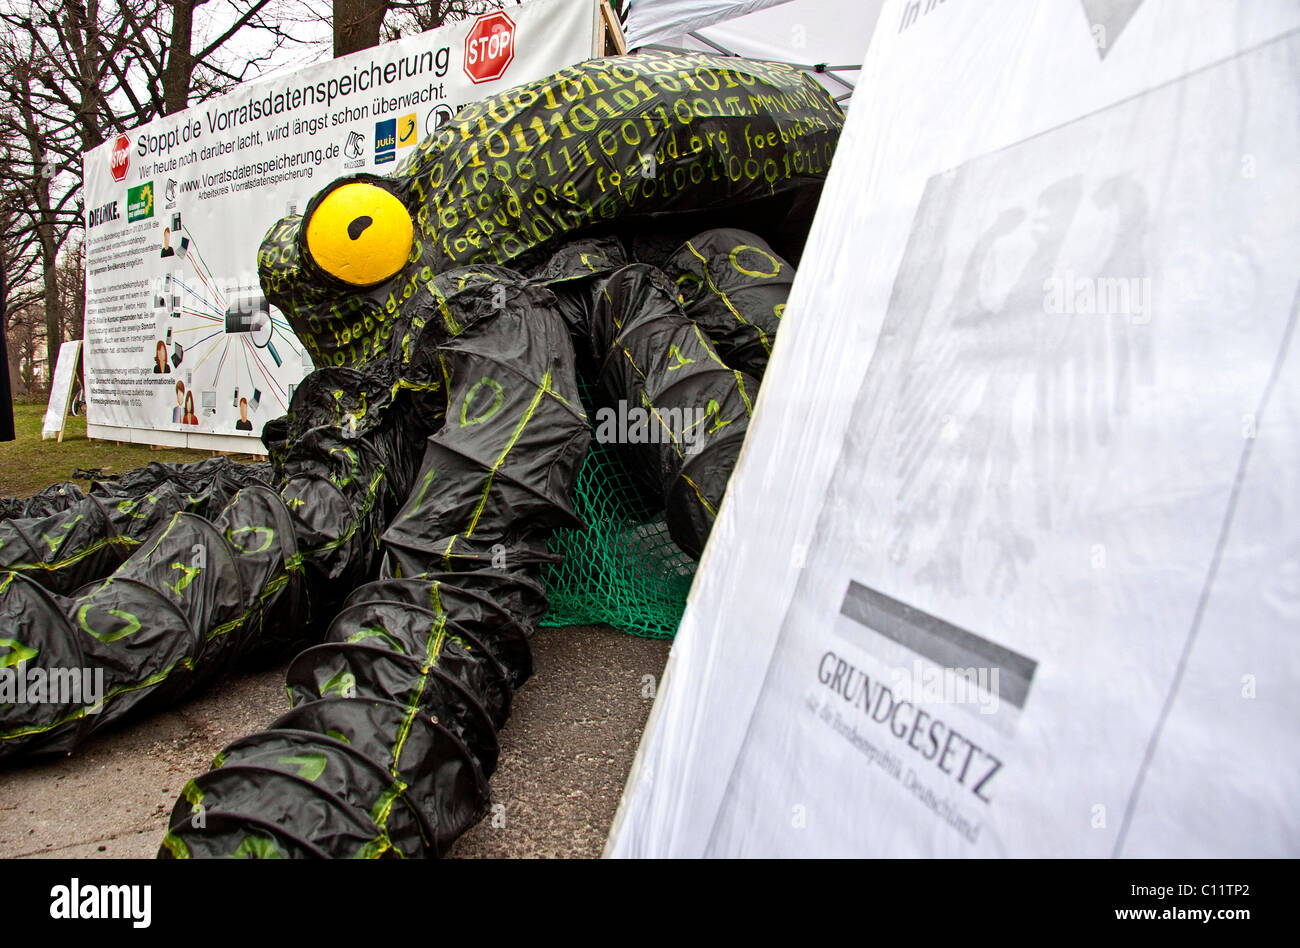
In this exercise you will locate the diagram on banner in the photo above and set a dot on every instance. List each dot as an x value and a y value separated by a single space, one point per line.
223 344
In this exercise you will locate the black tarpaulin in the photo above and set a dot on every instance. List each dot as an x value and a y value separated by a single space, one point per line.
667 400
734 286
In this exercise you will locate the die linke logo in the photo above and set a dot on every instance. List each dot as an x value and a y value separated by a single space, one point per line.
120 158
489 47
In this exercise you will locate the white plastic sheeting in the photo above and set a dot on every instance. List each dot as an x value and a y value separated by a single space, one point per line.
657 21
831 33
1034 413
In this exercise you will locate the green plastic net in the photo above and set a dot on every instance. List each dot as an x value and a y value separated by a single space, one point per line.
623 569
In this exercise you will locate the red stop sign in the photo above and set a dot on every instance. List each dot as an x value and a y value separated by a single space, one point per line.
489 47
120 160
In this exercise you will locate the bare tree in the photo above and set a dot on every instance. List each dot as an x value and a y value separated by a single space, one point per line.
16 302
49 216
357 24
407 17
37 201
16 262
25 335
361 24
71 287
115 64
177 72
72 74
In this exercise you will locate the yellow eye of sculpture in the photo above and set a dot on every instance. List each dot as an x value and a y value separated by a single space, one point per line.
360 234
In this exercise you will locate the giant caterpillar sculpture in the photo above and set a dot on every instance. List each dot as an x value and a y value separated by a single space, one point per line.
419 473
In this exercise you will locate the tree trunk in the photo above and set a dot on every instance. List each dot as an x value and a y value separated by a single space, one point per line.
44 230
6 386
53 324
76 316
85 70
356 24
179 70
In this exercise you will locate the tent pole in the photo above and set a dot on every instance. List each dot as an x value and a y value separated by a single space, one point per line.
708 42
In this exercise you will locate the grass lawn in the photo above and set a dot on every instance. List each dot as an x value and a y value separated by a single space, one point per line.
28 464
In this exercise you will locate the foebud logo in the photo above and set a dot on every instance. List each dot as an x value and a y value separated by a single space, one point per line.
120 159
489 47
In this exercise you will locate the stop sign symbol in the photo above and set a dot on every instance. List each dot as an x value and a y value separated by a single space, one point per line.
489 47
120 160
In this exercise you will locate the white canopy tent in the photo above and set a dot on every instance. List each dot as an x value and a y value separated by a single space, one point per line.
826 38
973 455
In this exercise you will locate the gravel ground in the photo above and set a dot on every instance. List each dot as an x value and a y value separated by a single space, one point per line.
565 755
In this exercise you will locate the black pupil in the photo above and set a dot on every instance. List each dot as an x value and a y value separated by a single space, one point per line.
359 225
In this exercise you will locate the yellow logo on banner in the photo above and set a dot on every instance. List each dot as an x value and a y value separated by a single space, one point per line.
408 130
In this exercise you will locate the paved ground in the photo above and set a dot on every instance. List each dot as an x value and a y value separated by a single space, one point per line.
565 755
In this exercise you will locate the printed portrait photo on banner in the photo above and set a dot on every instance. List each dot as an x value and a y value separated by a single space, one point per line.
189 418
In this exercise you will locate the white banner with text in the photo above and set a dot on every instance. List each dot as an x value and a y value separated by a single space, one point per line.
181 347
